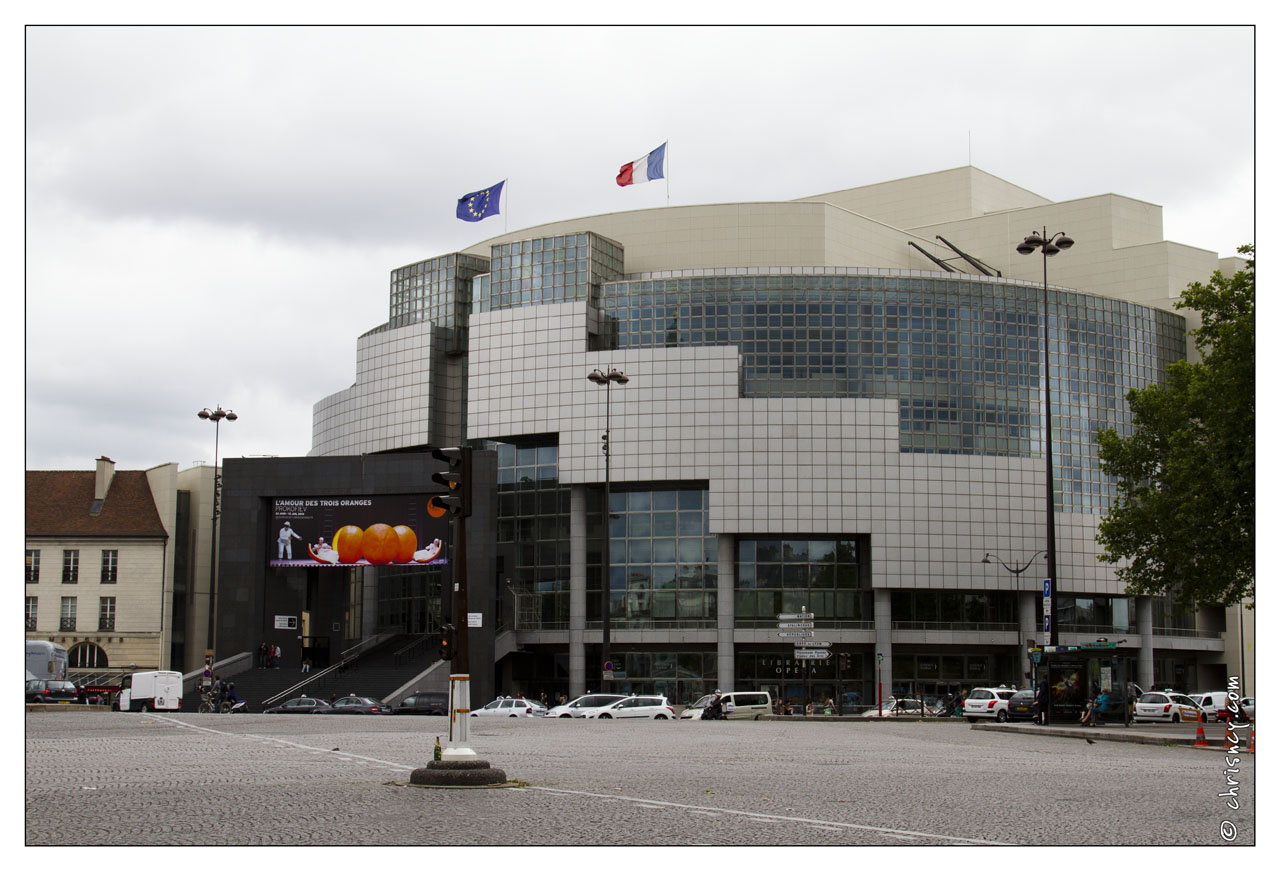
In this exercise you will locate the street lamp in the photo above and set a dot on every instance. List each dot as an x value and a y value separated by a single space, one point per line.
607 381
1011 569
217 416
1049 246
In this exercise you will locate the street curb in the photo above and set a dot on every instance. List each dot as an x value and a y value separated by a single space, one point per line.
1119 735
858 719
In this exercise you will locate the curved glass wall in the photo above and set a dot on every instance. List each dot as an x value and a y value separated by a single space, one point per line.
963 359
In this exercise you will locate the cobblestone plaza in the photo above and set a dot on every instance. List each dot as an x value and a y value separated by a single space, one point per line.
124 779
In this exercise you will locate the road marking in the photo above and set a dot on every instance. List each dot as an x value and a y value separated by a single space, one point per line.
905 834
355 757
902 834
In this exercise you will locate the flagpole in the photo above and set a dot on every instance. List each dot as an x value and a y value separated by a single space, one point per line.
667 153
504 214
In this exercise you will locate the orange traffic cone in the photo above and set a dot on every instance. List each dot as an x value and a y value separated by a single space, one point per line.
1200 742
1253 731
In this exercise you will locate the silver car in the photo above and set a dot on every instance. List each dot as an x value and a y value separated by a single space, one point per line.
579 706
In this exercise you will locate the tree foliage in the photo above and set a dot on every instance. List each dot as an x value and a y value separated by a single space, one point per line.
1184 513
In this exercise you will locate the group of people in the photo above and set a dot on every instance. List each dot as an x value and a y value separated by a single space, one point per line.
269 655
220 691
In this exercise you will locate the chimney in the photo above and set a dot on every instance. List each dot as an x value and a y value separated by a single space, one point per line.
102 480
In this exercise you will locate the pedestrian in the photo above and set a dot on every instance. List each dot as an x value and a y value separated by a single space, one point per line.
808 706
275 657
263 655
1042 704
306 665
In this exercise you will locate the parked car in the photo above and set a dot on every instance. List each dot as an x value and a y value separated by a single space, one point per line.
424 703
1247 706
897 708
988 703
51 692
1174 707
1022 705
740 705
579 706
355 705
511 708
651 707
303 705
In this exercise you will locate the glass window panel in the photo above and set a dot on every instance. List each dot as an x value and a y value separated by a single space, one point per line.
820 551
768 552
664 524
691 550
690 523
664 606
664 577
664 550
641 524
796 576
769 575
664 500
690 500
638 500
639 550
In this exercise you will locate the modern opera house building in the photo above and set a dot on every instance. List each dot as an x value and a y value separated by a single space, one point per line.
833 406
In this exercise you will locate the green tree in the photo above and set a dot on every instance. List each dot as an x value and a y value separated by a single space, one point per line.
1183 518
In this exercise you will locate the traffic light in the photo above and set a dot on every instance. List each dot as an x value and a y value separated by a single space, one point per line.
457 477
846 660
446 641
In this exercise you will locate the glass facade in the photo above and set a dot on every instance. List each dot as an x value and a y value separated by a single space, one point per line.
1102 614
533 521
551 269
963 359
976 610
663 562
825 577
437 290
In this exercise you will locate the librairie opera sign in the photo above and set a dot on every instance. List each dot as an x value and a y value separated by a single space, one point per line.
355 531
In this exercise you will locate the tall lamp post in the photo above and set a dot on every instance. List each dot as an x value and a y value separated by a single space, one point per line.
1049 246
607 381
217 416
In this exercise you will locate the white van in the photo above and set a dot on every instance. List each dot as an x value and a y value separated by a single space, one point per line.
150 691
748 705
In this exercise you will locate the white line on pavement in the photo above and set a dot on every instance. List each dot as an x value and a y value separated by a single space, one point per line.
267 738
904 834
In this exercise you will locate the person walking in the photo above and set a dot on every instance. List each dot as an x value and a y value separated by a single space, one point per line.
306 665
275 657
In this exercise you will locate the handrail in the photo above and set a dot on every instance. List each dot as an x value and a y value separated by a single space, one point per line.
345 658
411 646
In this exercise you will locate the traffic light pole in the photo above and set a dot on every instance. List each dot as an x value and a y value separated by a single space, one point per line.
458 764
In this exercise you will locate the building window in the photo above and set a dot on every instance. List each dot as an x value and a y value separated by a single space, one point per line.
68 621
822 577
31 613
110 562
86 654
107 614
33 567
70 566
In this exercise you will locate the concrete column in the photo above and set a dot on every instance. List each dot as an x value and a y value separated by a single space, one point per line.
725 676
577 590
1146 653
884 646
1029 613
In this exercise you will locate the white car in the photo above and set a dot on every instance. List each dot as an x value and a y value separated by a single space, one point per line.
651 707
988 702
1174 707
510 708
898 708
582 704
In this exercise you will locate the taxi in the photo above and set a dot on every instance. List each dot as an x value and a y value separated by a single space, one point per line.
1166 706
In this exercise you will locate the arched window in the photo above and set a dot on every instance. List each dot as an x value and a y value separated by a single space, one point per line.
86 654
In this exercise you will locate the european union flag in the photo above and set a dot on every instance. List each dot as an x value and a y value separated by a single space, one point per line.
481 204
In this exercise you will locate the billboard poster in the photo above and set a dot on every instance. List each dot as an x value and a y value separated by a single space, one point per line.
355 531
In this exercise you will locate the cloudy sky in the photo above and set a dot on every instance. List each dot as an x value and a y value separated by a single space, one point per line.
212 213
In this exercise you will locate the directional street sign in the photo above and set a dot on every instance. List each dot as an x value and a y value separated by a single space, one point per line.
802 624
813 644
794 616
812 654
795 634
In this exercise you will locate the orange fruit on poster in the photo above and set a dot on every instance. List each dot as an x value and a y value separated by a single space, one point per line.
380 544
347 542
408 544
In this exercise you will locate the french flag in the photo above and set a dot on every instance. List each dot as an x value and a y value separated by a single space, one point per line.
647 168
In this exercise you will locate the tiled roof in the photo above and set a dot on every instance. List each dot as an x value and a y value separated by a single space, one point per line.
58 504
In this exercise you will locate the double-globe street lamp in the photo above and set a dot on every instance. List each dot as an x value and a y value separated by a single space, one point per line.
606 380
216 416
1048 246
